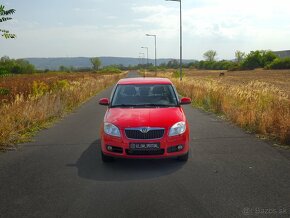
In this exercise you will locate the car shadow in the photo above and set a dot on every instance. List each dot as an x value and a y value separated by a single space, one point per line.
90 166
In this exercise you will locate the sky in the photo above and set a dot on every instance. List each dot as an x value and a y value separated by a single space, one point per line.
89 28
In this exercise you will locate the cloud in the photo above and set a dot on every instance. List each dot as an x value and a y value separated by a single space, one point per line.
150 9
159 19
111 17
227 18
84 40
96 28
84 10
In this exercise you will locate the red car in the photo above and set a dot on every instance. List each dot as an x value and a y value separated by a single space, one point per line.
144 119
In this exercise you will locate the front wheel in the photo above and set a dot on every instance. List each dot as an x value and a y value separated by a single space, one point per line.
106 158
183 158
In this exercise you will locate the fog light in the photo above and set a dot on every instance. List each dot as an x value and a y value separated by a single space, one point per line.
180 147
109 148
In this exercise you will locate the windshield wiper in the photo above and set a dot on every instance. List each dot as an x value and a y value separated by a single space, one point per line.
142 105
155 105
125 105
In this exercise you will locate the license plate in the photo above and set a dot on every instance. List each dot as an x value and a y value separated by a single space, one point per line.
144 146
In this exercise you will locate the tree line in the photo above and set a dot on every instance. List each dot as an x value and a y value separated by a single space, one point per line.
15 66
255 59
242 61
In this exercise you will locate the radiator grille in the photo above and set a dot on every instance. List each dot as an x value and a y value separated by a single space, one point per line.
151 133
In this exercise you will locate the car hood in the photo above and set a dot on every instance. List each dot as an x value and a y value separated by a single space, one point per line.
144 117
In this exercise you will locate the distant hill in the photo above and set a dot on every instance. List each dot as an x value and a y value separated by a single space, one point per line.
84 62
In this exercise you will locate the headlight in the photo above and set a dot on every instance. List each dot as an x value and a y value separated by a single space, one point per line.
177 129
111 129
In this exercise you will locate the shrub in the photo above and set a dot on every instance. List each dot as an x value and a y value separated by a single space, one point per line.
224 65
176 74
60 85
257 59
18 66
3 71
268 57
152 68
110 70
214 65
4 91
39 89
278 63
234 67
252 61
161 68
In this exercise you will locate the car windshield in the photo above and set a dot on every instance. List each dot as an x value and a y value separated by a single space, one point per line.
148 95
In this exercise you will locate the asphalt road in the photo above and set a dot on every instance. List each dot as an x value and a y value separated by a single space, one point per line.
60 174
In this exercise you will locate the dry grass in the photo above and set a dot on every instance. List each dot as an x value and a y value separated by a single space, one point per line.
278 78
36 100
23 84
255 100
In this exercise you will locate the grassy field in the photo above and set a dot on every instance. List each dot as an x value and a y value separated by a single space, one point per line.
258 101
31 102
277 78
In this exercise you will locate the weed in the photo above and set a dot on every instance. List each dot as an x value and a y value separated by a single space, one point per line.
39 89
4 91
60 85
44 101
175 74
257 106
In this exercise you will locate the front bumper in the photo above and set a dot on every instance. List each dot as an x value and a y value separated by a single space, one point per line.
168 147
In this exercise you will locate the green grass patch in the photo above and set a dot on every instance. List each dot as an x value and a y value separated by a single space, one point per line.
4 91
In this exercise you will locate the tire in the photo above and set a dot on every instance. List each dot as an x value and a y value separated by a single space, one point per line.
183 158
106 158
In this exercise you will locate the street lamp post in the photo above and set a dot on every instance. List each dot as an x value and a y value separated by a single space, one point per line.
180 63
142 57
155 48
147 59
147 54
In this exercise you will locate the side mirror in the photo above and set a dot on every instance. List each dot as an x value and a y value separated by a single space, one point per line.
104 101
185 100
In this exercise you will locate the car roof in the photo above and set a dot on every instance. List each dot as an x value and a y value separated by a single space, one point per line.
146 80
